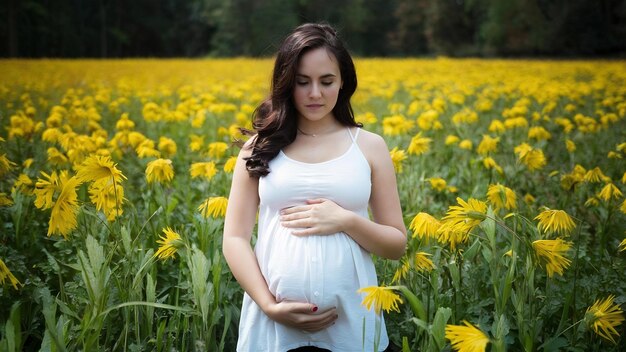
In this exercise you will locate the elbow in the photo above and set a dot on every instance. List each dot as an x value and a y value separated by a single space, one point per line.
399 249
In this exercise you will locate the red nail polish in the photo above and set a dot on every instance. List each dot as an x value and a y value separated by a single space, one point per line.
314 309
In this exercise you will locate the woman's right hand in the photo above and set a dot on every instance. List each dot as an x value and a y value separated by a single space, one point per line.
303 316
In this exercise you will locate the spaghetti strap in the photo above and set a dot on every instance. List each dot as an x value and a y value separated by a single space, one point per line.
356 134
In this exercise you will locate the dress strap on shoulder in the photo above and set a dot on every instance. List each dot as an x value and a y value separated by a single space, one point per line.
355 135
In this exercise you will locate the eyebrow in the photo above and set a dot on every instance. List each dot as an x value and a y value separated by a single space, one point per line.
328 75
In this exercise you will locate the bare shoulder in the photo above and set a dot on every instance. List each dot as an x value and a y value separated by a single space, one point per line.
246 150
373 146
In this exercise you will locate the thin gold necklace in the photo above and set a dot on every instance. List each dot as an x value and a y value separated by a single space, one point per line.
306 134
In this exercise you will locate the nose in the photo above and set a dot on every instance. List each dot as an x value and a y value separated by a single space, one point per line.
315 90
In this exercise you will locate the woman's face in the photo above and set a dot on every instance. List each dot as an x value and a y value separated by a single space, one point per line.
318 81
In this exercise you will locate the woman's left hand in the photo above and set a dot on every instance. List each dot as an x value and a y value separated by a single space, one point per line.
317 217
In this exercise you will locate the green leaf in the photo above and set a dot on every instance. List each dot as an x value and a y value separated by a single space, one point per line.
438 330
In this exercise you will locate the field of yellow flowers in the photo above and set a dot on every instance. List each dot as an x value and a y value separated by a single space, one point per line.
114 177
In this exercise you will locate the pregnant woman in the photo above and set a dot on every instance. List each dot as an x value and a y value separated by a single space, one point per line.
311 173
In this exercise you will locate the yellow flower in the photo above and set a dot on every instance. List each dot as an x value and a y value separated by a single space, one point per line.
489 163
529 199
539 133
196 142
214 207
570 145
55 157
447 233
396 125
229 165
108 198
5 200
65 208
167 147
501 197
465 216
217 149
496 126
124 123
5 273
533 158
556 221
397 156
99 169
609 191
622 207
381 297
160 170
422 262
596 176
169 244
466 338
466 144
5 164
419 145
487 145
603 317
592 202
622 245
204 169
401 271
452 139
550 253
424 225
438 183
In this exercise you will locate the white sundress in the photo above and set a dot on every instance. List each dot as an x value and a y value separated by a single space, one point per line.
324 270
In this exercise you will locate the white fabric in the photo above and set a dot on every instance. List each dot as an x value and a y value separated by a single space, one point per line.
324 270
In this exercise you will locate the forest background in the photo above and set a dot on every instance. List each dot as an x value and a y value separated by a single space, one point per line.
381 28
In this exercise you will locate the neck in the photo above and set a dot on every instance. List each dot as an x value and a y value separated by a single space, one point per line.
317 128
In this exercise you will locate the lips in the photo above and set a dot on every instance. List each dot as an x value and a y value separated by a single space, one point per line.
314 106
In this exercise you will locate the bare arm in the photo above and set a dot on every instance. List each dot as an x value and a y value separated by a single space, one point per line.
385 236
243 204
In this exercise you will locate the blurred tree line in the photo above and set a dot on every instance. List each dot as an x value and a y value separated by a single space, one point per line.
195 28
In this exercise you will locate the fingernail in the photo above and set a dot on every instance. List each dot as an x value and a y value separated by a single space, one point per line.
314 309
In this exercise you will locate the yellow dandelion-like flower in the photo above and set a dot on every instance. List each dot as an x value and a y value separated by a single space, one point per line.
229 165
438 184
55 157
397 157
65 208
203 169
603 317
98 168
529 199
196 142
217 149
551 254
570 145
533 159
214 207
422 262
396 125
538 133
169 244
556 221
624 178
401 271
28 162
595 175
419 145
5 274
487 145
108 198
452 139
424 225
622 207
381 297
45 189
6 165
489 163
160 170
609 191
592 202
466 338
465 216
124 123
466 144
501 197
167 147
450 234
5 200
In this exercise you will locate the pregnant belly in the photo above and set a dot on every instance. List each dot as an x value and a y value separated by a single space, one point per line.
314 269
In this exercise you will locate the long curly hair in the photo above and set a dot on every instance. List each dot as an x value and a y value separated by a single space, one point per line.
275 119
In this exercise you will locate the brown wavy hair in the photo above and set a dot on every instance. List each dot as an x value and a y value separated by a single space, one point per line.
275 119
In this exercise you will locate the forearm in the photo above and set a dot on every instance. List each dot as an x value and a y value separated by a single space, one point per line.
383 240
245 268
